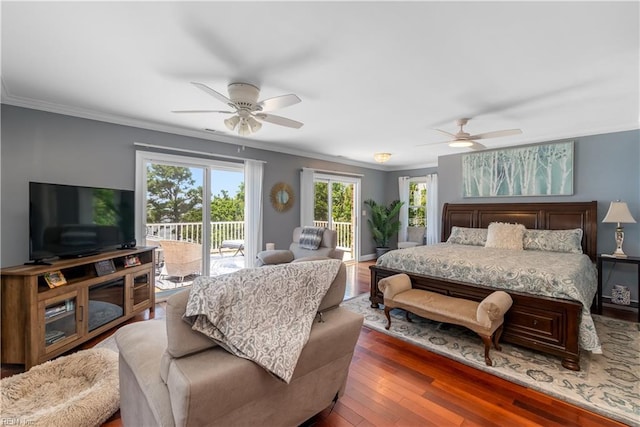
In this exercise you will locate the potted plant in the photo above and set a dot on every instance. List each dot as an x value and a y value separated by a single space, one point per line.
384 223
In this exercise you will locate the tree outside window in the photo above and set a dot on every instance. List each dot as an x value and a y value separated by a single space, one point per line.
417 203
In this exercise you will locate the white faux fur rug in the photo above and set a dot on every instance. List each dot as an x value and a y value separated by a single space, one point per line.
78 390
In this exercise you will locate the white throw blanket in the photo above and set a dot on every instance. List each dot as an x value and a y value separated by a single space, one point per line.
262 314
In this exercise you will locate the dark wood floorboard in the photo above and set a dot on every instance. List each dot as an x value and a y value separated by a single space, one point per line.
393 383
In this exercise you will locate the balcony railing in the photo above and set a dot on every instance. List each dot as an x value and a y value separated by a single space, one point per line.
231 230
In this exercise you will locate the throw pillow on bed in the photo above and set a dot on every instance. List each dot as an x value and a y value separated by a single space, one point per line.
569 241
505 236
468 236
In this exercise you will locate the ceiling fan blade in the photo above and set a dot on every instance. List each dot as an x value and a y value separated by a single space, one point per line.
433 143
453 135
496 134
215 94
277 120
278 102
202 111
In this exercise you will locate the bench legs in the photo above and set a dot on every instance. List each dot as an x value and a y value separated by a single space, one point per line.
487 340
494 339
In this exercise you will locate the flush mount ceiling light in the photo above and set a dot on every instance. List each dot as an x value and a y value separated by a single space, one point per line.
381 157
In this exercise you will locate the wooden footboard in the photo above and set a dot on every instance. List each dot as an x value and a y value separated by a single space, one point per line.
540 323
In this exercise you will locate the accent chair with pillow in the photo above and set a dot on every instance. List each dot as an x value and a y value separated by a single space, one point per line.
172 375
314 242
415 237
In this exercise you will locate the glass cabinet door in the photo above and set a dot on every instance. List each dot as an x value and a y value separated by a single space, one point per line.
62 316
141 290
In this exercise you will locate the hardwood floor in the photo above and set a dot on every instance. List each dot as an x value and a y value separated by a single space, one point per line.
393 383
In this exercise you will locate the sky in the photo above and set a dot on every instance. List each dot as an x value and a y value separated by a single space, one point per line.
221 180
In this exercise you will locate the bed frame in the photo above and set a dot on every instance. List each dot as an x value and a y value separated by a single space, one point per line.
545 324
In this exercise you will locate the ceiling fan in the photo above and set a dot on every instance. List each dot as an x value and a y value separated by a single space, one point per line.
247 112
464 139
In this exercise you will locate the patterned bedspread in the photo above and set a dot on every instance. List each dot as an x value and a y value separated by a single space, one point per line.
262 314
552 274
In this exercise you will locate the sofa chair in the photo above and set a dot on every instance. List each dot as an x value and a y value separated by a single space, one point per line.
415 237
171 375
327 249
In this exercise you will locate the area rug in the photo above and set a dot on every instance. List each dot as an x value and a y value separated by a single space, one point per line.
78 390
608 383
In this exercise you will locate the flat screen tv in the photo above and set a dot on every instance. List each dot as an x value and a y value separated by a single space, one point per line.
73 221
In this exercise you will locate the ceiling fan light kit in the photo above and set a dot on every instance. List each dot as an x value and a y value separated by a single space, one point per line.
248 114
460 144
463 139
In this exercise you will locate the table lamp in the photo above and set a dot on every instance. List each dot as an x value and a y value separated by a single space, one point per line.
619 213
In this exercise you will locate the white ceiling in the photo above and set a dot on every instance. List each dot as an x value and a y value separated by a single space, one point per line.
373 76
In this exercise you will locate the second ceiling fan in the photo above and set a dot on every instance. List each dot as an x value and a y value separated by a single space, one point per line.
465 139
247 112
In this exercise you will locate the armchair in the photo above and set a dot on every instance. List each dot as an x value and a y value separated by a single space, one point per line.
326 249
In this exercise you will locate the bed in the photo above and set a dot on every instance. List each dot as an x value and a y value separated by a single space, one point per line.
550 324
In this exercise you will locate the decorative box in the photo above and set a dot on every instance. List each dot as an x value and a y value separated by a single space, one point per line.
620 295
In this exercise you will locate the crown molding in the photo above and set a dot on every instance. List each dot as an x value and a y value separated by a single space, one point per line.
210 135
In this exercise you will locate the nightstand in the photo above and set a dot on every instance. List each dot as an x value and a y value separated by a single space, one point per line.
604 258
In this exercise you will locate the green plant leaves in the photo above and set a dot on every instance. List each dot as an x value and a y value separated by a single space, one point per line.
383 221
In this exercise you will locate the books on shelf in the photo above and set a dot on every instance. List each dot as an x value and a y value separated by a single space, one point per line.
57 309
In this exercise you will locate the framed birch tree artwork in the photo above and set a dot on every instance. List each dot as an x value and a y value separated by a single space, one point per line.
540 170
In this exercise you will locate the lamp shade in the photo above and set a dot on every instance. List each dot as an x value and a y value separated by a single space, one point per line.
244 129
618 213
232 122
254 124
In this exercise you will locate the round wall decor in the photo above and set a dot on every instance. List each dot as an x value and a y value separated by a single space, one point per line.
281 196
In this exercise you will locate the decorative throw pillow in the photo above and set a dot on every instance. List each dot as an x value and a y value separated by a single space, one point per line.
569 241
505 236
310 237
468 236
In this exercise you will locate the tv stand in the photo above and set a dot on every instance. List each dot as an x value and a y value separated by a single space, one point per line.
40 322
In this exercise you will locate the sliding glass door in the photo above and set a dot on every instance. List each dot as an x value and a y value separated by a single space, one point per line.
335 208
192 210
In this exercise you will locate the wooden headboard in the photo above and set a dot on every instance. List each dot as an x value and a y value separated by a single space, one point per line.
540 216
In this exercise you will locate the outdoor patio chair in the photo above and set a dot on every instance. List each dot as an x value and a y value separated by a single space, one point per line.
181 258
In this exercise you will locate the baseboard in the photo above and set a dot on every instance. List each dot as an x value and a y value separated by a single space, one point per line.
367 257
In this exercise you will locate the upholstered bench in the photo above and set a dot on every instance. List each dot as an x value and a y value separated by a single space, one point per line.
484 318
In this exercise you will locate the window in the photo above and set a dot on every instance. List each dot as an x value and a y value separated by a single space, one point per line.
417 205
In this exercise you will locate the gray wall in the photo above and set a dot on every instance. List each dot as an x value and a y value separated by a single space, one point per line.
605 169
47 147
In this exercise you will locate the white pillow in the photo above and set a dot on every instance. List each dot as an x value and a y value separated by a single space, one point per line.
505 236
